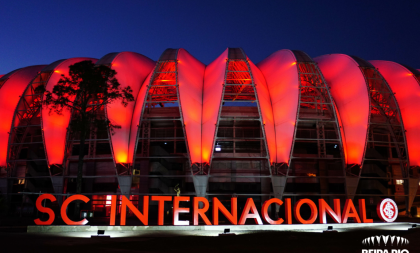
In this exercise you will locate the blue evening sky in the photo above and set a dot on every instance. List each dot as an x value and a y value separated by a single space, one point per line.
40 32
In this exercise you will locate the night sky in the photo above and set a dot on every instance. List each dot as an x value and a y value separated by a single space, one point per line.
40 32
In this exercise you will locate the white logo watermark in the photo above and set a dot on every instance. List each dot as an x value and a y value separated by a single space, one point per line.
385 241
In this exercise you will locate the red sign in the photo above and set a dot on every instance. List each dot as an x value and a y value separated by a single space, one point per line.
387 210
250 211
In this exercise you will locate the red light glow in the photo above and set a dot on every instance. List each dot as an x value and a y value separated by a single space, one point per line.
281 75
132 69
191 75
212 95
54 125
10 95
407 93
350 93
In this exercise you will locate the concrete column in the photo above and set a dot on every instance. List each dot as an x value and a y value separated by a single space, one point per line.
58 183
88 183
265 189
200 184
323 181
413 186
233 169
144 167
351 186
3 186
125 185
4 193
279 184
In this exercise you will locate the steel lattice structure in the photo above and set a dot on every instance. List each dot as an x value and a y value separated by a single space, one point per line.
335 126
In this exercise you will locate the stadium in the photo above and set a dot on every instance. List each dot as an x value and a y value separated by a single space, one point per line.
332 127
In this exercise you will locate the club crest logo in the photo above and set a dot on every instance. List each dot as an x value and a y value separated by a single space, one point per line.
387 210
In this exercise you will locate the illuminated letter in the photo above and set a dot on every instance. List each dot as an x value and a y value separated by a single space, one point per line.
144 218
47 210
113 210
264 211
178 210
64 209
347 214
324 208
249 205
314 211
362 211
201 212
232 217
161 207
288 211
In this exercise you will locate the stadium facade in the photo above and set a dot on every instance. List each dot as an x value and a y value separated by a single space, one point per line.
335 126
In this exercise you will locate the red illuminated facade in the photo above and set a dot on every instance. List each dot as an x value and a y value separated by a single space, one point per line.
335 126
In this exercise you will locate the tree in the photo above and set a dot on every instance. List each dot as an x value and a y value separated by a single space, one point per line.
85 91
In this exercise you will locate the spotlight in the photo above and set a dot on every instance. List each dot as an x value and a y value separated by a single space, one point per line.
100 234
330 230
414 226
226 232
218 148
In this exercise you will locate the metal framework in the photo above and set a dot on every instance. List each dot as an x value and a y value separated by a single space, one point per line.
26 159
120 168
98 153
316 126
27 120
239 147
161 136
228 150
386 143
385 115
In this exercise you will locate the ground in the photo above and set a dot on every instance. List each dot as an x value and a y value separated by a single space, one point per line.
17 240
